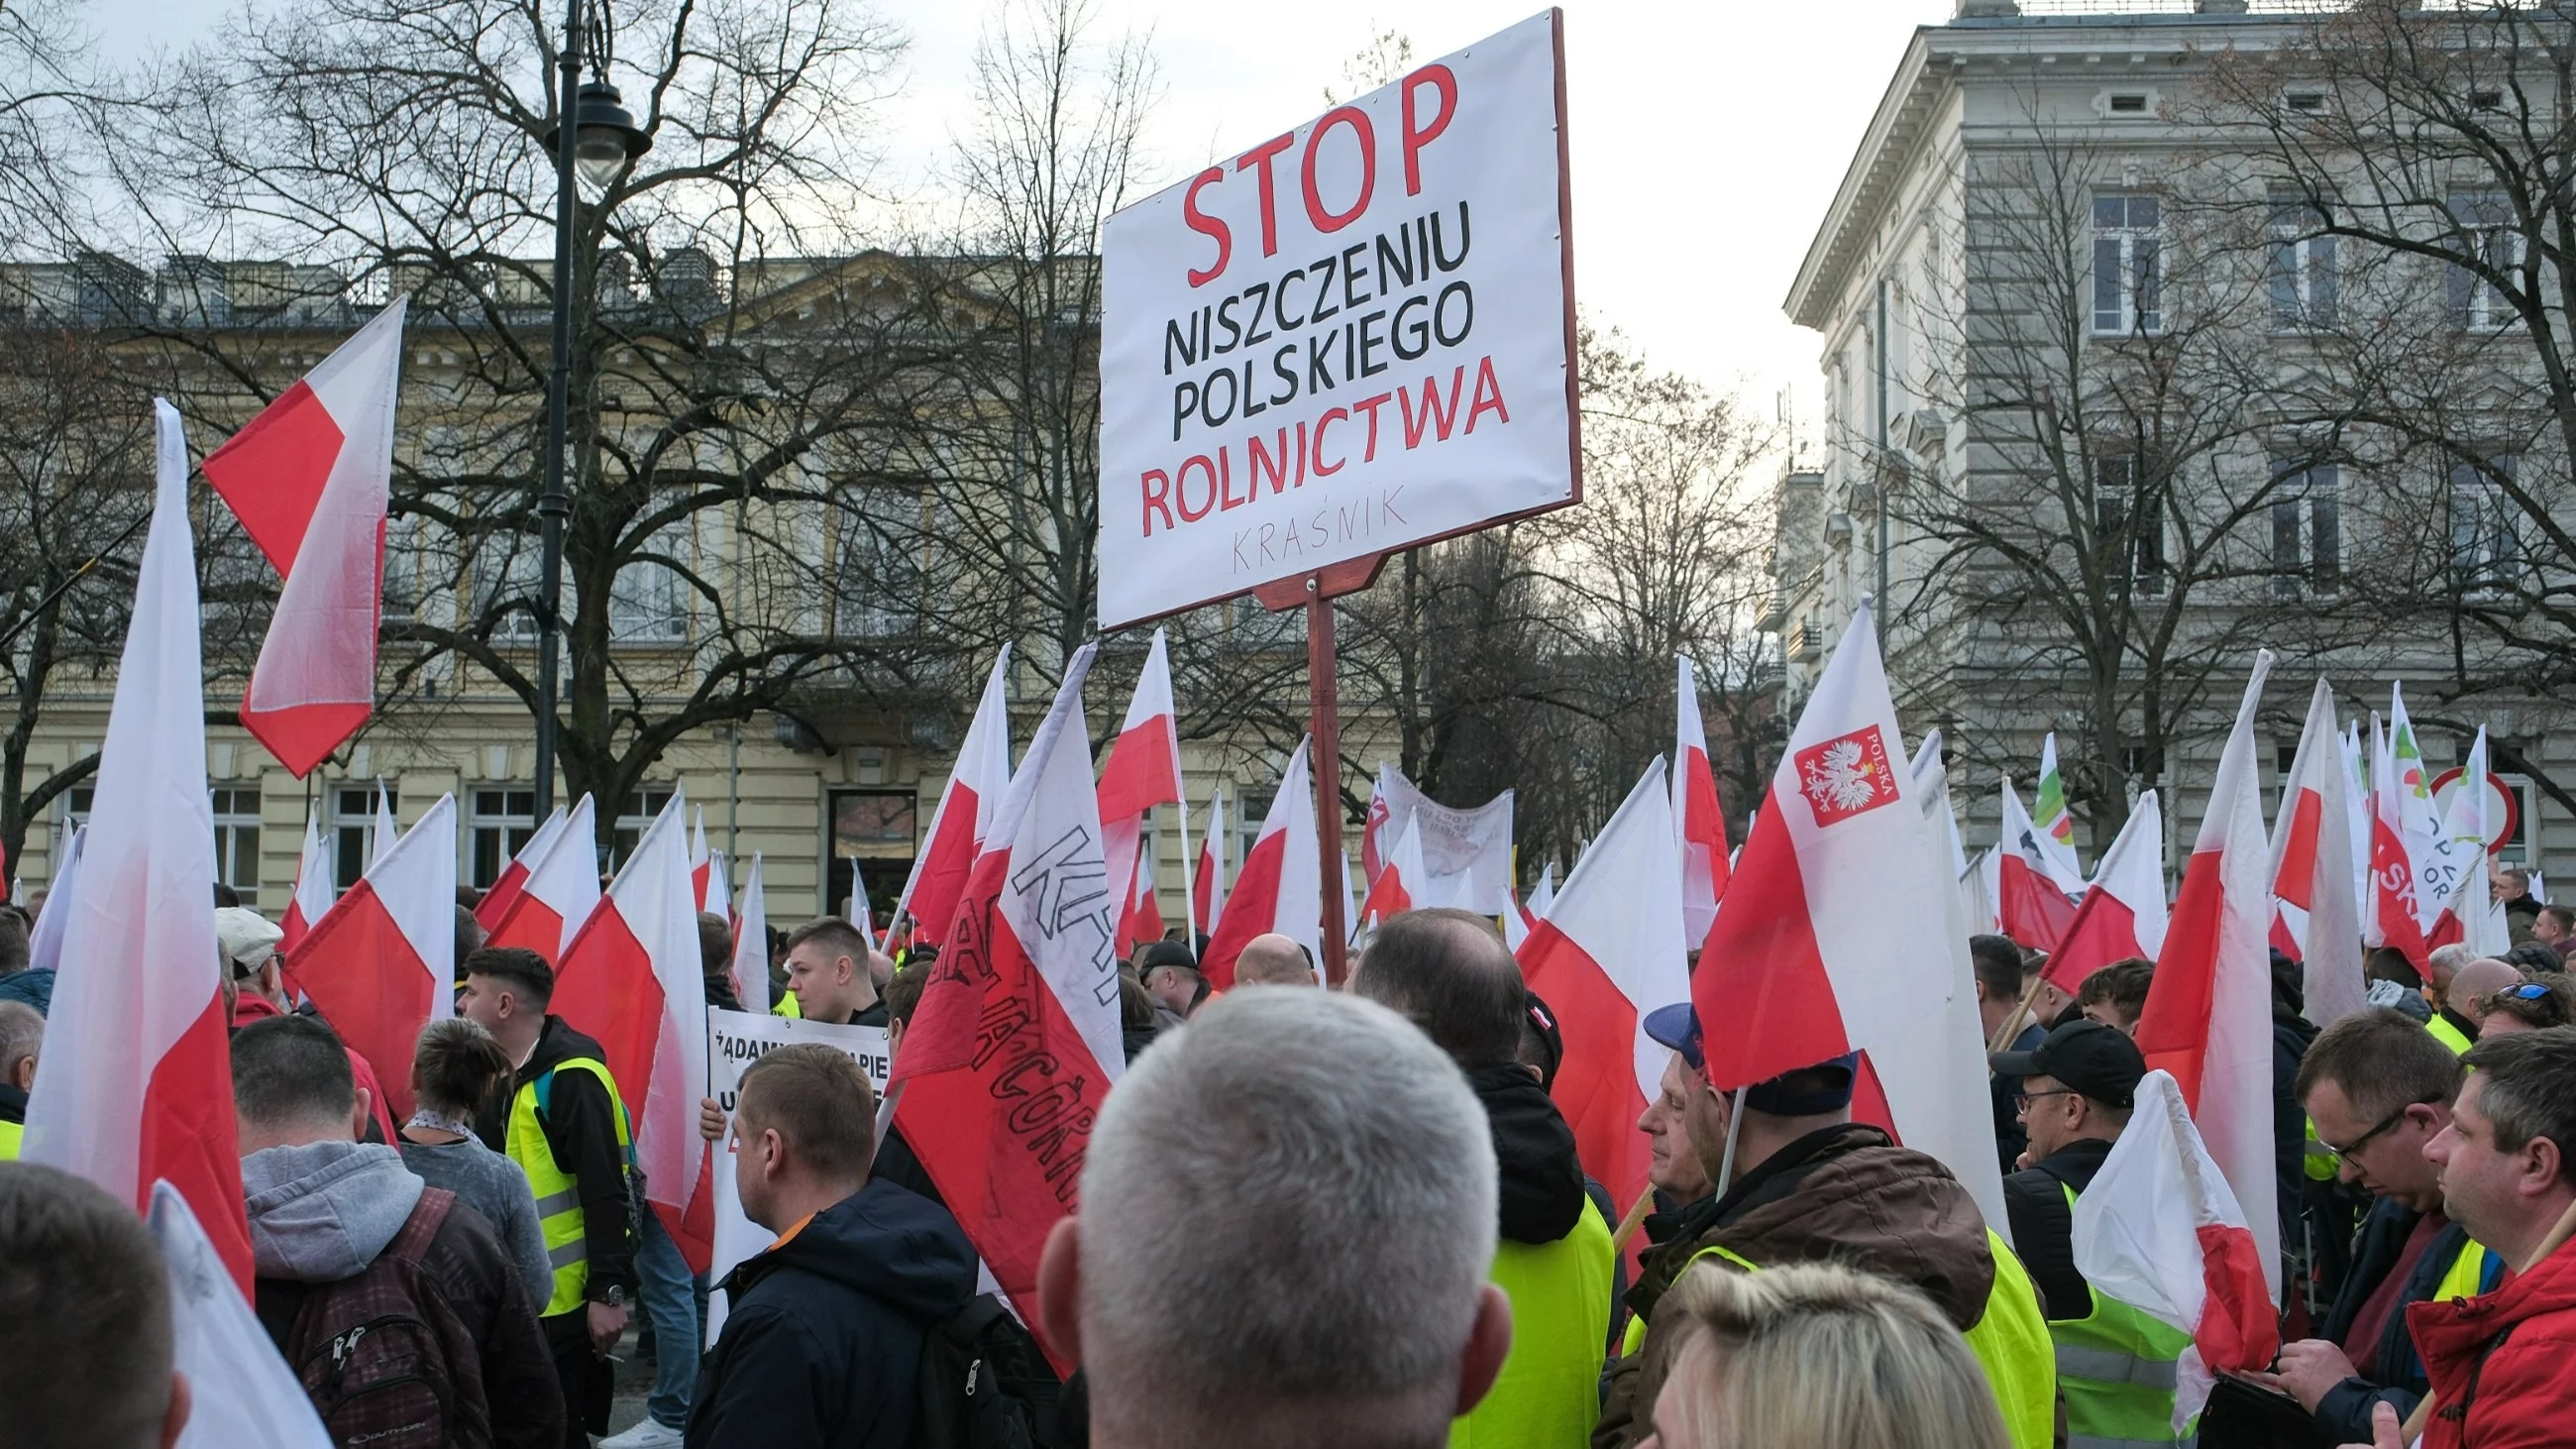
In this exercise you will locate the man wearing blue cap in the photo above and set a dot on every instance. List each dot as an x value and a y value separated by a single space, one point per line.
1808 1184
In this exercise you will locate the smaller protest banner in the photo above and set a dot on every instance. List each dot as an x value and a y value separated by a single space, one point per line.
736 1039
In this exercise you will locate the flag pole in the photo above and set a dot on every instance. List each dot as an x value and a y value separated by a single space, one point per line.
1734 1125
1314 592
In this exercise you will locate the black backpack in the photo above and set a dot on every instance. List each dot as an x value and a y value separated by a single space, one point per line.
386 1362
985 1384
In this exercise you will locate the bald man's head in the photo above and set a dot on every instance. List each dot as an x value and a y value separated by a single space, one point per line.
2475 981
1450 973
1273 960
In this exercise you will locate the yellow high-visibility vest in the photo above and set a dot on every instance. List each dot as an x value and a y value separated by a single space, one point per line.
1548 1394
559 1215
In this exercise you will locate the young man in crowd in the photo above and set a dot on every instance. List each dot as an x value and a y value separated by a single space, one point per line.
1347 1302
1170 974
829 976
563 1124
326 1208
2116 995
86 1354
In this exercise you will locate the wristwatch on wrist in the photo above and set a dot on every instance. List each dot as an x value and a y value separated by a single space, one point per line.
615 1297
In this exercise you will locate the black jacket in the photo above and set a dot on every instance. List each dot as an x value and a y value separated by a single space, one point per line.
2291 1034
2043 1224
2010 1139
823 1343
2391 1371
1542 1190
13 1104
580 1123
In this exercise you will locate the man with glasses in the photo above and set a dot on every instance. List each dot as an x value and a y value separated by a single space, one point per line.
2379 1087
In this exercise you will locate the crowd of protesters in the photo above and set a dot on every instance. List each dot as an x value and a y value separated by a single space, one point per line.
1329 1217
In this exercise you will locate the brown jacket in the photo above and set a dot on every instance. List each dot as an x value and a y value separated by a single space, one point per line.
1846 1194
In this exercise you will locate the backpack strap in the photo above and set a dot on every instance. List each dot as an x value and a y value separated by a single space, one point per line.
428 1215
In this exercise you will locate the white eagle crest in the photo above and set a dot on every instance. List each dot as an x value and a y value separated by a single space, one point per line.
1843 778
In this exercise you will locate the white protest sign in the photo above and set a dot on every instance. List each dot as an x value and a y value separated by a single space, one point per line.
1466 853
1350 338
736 1039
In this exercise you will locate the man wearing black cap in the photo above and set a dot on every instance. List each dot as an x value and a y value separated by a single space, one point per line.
2114 1364
1809 1184
1170 975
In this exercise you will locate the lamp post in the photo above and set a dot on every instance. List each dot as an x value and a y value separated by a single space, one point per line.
604 141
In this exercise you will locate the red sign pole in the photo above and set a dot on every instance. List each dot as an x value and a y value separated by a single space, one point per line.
1315 592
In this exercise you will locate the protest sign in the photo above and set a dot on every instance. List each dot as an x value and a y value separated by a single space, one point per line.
736 1039
1350 338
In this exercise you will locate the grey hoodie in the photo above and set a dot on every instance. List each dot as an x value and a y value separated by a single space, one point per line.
323 1211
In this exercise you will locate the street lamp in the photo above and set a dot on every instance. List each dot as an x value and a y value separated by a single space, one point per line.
605 141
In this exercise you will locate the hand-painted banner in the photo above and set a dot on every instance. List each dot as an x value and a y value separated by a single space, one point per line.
1352 337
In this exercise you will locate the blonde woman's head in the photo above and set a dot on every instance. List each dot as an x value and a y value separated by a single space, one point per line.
1814 1356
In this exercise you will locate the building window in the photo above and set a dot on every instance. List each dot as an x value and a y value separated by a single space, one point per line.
2486 540
2307 529
2127 257
237 840
2485 222
353 830
634 817
881 573
506 564
648 602
2303 267
2130 527
502 820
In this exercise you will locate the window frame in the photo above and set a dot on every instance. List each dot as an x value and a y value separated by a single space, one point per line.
2301 277
508 830
2145 560
2138 296
352 836
238 823
2487 218
2306 549
2485 562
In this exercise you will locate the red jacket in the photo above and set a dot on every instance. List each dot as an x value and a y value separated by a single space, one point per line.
2525 1332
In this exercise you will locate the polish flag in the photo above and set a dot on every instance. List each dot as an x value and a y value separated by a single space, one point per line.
2312 875
312 897
1207 883
45 938
1390 893
701 862
1027 989
751 944
2161 1230
505 889
1281 885
2056 823
1143 771
1543 897
633 979
138 1084
2123 911
862 912
1701 829
240 1390
958 826
1612 951
1143 920
2033 908
1800 965
2208 1018
388 829
310 479
2391 920
2467 914
1373 823
718 899
2358 808
381 963
558 893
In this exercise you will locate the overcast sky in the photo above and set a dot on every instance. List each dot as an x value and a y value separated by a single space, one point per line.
1708 135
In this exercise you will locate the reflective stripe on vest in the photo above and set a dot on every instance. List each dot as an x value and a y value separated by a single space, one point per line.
559 1216
2011 1343
2116 1368
1549 1391
11 1134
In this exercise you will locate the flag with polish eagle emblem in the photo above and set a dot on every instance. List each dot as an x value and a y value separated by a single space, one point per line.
137 1084
634 980
1611 951
1797 968
381 963
964 814
1016 1041
1697 819
557 892
1281 885
310 478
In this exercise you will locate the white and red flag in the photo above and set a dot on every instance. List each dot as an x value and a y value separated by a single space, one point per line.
1144 770
312 895
1543 896
558 891
633 979
240 1391
388 830
1281 885
1143 919
513 878
310 478
2467 912
381 963
751 943
717 899
2032 906
138 1084
1696 816
2208 1018
2391 918
1799 966
1016 1042
1610 952
957 827
45 938
2312 868
1400 875
1207 883
2161 1231
701 861
2123 911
